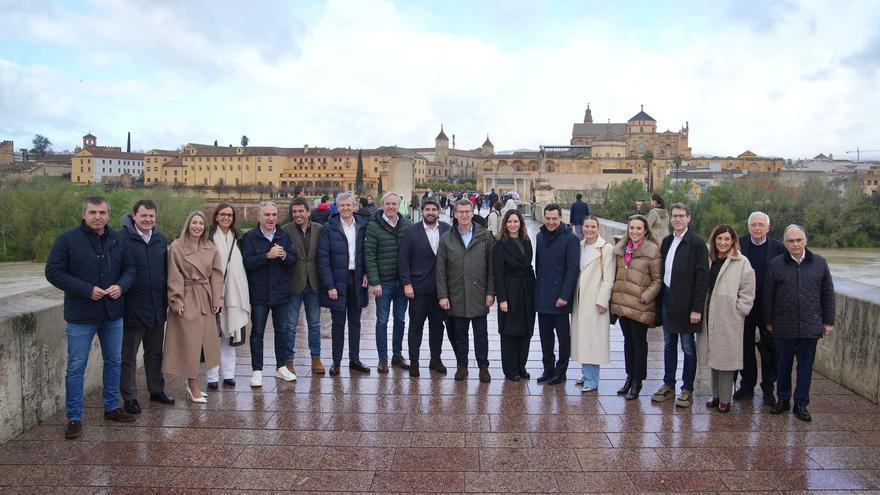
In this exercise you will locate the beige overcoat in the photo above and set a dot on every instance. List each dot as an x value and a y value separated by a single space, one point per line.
589 329
195 281
719 344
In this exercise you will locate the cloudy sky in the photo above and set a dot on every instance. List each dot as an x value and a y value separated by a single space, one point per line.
780 78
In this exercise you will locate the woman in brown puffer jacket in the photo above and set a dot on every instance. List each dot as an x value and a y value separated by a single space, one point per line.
636 285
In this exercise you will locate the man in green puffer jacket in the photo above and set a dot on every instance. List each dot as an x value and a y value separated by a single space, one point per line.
384 233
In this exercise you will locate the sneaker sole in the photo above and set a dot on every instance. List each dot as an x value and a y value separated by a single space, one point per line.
679 403
661 398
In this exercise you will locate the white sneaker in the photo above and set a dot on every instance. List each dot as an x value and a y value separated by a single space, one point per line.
285 374
257 379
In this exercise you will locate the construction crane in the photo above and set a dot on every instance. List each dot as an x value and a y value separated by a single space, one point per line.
858 152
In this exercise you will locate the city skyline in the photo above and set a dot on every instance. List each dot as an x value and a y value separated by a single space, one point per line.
781 79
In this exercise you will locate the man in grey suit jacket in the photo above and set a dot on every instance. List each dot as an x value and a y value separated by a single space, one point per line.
304 281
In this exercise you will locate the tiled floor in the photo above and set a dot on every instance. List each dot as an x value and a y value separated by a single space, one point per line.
393 433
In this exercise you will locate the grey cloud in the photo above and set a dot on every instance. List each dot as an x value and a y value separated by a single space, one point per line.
867 60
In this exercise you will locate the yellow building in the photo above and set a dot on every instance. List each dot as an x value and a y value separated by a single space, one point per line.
638 135
96 164
7 153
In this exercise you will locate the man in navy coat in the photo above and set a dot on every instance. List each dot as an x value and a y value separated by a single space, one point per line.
417 265
556 271
94 269
268 257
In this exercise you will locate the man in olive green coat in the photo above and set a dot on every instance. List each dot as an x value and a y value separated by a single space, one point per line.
384 234
466 288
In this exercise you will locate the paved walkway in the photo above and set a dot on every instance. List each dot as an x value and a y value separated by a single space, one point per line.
391 433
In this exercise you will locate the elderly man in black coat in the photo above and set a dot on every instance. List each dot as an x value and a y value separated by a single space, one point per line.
146 305
759 248
417 269
798 309
685 273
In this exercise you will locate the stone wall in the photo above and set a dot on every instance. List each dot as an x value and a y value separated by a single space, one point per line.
851 356
33 360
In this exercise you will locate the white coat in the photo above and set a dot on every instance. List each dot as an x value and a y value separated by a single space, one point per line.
589 329
719 344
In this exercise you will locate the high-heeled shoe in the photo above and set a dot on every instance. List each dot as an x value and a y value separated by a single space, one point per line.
634 390
192 398
626 386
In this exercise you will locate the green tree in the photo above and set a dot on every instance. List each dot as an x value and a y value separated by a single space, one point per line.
359 176
42 145
245 141
649 162
618 200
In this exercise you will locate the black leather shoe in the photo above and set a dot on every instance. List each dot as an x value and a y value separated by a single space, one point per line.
229 382
485 377
461 373
74 430
742 393
356 365
634 390
801 412
399 362
780 407
437 365
131 406
334 368
555 380
162 398
414 371
769 399
118 415
383 366
626 386
213 385
543 378
524 374
513 378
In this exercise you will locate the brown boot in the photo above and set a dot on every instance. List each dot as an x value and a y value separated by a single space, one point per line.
461 373
317 366
485 377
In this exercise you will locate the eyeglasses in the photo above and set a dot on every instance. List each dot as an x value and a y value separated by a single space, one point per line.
226 215
759 225
795 241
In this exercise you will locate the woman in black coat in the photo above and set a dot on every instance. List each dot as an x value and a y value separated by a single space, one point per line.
514 288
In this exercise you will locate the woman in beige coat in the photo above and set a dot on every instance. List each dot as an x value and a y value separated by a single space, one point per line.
195 295
590 319
636 284
730 298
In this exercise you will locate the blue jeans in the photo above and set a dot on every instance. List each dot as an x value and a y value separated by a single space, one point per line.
281 324
79 343
391 292
591 375
670 355
312 301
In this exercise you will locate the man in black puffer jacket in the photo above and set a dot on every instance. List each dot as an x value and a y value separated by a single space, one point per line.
798 309
146 305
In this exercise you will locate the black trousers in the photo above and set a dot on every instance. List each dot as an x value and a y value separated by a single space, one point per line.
153 339
461 344
425 307
514 354
337 318
635 348
766 348
547 323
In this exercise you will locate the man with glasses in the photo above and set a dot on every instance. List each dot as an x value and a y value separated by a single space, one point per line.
759 248
798 309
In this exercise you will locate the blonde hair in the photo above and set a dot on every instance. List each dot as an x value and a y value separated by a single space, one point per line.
184 233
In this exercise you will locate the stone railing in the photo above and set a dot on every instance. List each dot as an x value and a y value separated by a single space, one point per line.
33 360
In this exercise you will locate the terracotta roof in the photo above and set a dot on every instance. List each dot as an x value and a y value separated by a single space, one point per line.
121 155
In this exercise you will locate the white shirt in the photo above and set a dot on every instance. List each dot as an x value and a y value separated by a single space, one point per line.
433 234
587 252
144 235
394 223
350 231
799 261
670 258
755 243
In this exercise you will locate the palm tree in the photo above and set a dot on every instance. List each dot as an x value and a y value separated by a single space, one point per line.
245 141
649 162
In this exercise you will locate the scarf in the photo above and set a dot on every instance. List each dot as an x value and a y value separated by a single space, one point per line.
630 248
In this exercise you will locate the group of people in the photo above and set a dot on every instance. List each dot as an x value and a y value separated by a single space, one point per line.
192 301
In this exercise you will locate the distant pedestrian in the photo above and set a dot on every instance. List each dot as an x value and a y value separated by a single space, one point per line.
577 212
658 218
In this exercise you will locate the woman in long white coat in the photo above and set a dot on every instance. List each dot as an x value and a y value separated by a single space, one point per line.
590 319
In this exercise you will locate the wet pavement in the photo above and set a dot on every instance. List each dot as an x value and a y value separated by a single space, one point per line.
393 433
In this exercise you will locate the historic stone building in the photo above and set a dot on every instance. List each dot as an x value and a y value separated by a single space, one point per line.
632 138
7 153
96 164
